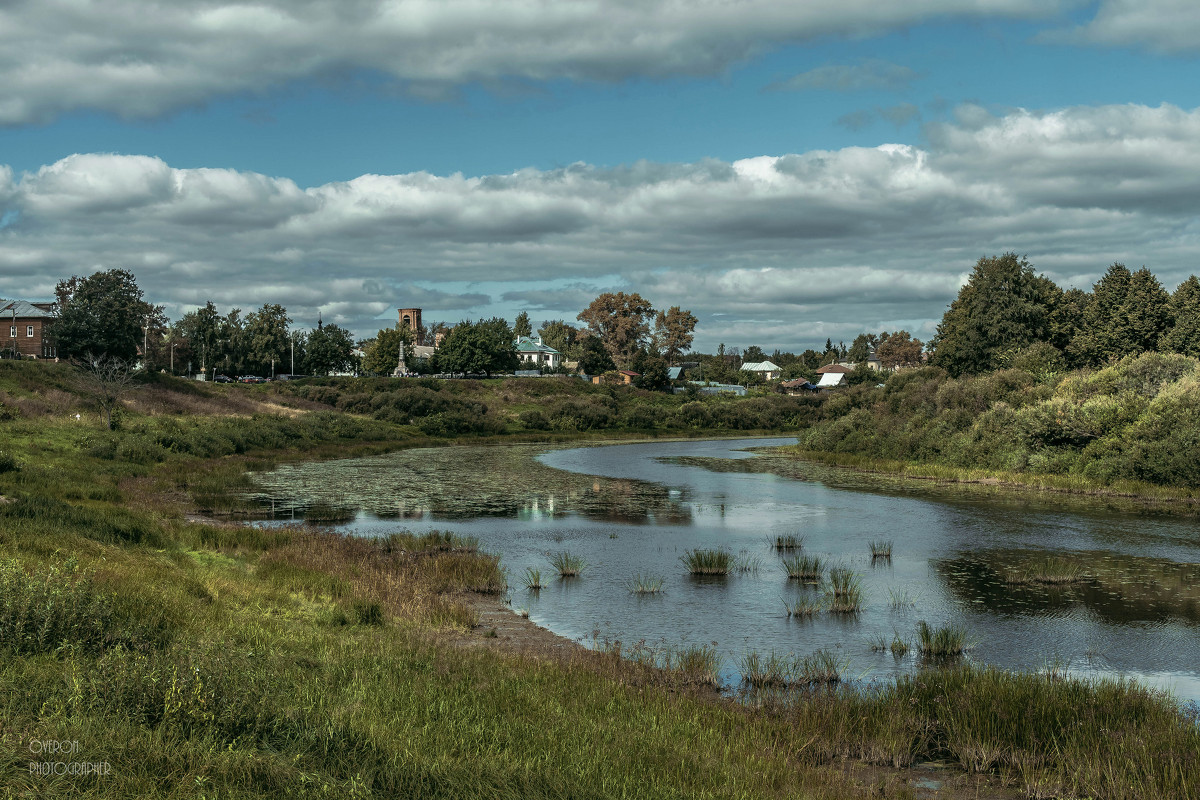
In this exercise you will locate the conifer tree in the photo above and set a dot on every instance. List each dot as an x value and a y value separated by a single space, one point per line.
1184 335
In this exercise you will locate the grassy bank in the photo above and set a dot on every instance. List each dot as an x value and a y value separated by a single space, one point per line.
198 660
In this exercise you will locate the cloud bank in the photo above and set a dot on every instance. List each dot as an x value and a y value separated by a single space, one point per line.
773 250
144 58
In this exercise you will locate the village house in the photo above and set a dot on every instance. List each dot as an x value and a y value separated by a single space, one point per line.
766 370
27 328
832 375
534 353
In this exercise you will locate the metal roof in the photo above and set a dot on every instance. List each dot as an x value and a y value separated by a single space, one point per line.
24 309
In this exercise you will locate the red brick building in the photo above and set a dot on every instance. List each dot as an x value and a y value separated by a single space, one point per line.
27 329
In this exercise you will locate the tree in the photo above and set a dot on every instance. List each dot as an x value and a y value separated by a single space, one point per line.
202 329
622 323
1127 313
754 354
521 326
330 349
1184 335
593 357
473 347
382 354
673 332
562 337
860 348
899 349
266 340
1003 308
101 316
107 380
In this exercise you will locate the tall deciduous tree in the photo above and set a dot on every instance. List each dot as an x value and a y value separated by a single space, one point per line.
202 330
1184 335
899 349
266 341
674 332
1003 308
382 354
562 337
329 349
860 348
102 316
622 321
485 346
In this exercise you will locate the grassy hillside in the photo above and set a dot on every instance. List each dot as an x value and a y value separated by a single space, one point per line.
184 659
1133 427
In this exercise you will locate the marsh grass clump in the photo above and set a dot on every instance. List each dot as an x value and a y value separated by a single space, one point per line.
765 672
899 647
944 642
532 579
900 598
822 667
746 563
1049 572
567 564
708 562
843 591
803 607
787 542
642 583
698 663
881 549
804 568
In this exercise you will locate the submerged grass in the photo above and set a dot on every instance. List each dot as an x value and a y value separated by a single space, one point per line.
1049 571
880 549
804 568
843 591
708 562
787 542
943 642
567 564
803 607
643 583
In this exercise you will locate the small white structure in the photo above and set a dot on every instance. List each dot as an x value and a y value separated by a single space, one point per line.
832 379
537 355
764 369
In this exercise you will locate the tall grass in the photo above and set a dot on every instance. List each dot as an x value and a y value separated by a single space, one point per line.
880 549
804 568
803 607
567 564
532 579
943 642
643 583
787 542
708 562
1048 571
843 591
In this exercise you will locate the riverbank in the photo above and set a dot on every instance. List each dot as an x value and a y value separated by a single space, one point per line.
221 660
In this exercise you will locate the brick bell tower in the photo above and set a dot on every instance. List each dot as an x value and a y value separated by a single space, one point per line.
409 318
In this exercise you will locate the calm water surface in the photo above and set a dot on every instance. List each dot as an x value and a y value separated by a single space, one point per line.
636 508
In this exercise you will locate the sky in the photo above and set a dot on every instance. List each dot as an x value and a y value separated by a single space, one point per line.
788 170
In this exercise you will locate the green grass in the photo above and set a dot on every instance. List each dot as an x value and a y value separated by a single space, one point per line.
642 583
843 591
566 564
1048 571
708 562
804 568
787 542
532 579
943 642
881 548
233 662
803 607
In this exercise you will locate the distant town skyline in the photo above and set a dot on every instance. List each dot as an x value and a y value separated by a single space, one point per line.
789 171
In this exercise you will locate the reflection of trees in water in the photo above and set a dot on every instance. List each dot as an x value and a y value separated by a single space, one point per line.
466 482
1120 589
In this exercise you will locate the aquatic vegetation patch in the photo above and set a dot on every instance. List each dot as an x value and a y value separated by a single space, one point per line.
644 583
880 549
787 542
943 642
804 568
708 562
567 564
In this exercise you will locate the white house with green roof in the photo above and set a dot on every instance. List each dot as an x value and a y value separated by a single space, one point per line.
534 354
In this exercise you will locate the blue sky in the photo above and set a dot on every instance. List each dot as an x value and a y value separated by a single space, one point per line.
789 171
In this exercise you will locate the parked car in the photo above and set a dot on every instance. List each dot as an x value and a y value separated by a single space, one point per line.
251 379
222 379
285 376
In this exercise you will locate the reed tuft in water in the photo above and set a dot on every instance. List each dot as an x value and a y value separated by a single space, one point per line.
787 542
941 642
843 591
803 607
642 583
881 548
533 579
568 565
804 568
708 562
1048 571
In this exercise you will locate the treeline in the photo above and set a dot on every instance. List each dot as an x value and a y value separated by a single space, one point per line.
1007 316
1136 420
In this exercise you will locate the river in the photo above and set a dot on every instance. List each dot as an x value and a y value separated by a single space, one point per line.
1132 608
